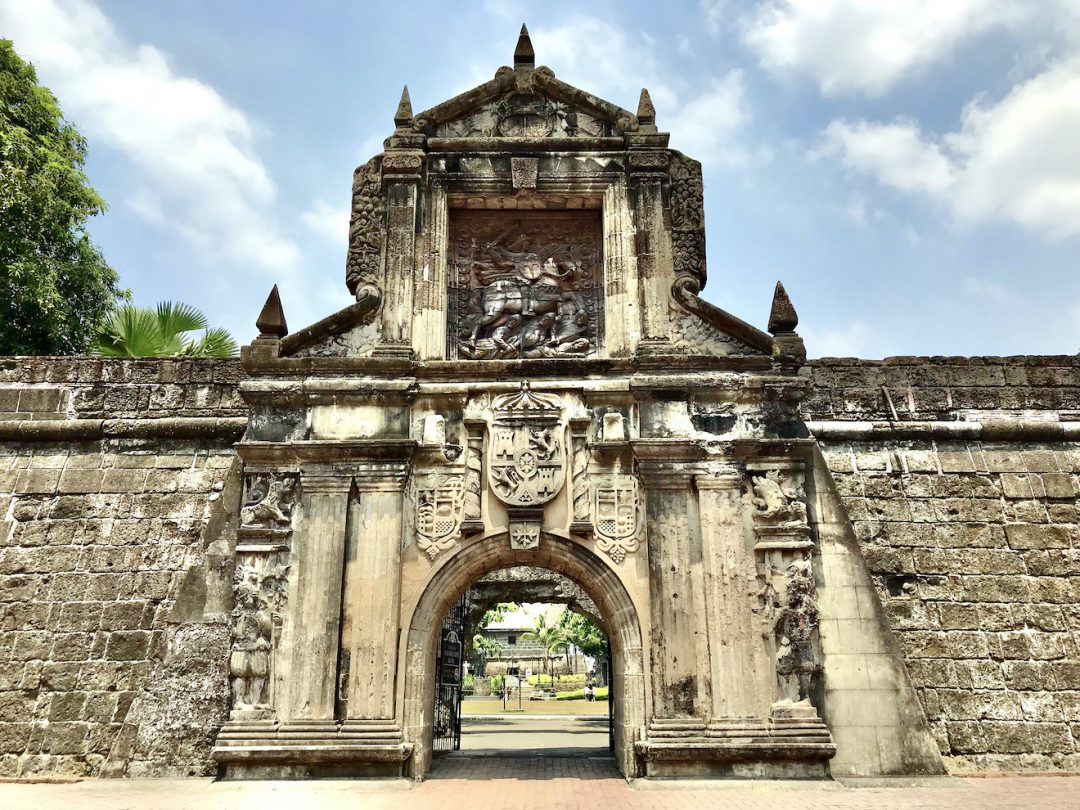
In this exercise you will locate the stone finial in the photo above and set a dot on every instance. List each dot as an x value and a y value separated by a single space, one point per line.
271 321
524 55
403 115
782 316
646 112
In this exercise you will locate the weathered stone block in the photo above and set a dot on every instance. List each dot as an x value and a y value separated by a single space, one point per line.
65 738
78 480
1025 536
128 645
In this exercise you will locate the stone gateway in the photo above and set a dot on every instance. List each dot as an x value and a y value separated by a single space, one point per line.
804 569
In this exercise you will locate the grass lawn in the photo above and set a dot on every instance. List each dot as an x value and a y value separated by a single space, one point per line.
487 705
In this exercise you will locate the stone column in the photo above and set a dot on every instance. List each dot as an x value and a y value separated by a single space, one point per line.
429 335
674 549
306 683
402 175
648 172
739 665
369 633
622 329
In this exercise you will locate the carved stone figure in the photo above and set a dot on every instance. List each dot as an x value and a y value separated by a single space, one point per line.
618 514
778 499
440 500
259 596
524 285
796 628
268 502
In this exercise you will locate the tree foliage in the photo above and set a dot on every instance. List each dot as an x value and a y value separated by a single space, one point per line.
581 632
132 331
550 636
55 286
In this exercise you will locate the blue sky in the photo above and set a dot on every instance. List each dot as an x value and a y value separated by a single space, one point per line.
909 168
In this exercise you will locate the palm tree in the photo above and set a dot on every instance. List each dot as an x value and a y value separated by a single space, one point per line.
133 331
552 641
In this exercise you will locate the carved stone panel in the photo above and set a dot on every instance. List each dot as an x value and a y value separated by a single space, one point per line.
268 501
525 284
618 514
527 459
440 500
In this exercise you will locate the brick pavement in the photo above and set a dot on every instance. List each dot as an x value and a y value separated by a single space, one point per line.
550 783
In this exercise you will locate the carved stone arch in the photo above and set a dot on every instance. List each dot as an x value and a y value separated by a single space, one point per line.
455 573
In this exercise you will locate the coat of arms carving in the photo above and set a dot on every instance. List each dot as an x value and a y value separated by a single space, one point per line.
617 514
527 457
439 501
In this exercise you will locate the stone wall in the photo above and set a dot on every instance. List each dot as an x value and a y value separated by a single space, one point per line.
973 543
109 472
117 479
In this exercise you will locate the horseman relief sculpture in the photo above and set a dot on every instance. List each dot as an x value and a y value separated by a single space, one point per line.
525 285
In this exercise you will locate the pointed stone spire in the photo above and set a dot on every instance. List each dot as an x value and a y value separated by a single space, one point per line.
271 321
524 55
403 114
646 112
782 316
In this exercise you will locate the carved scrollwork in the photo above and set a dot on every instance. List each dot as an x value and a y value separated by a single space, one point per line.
367 227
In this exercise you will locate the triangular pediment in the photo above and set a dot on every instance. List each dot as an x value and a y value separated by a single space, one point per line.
525 101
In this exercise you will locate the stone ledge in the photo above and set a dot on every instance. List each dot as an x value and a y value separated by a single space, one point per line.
192 427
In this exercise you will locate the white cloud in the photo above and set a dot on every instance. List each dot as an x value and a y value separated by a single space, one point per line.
713 10
988 290
706 126
328 220
683 45
857 46
183 139
896 154
854 340
1016 160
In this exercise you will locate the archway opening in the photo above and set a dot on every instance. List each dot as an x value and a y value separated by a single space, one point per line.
597 591
535 679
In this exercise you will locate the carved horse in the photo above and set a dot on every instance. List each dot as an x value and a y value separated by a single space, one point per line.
506 297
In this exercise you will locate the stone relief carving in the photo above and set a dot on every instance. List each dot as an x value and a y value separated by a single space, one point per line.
440 499
268 501
795 624
579 473
527 460
525 284
525 114
618 514
524 534
367 228
687 217
694 335
260 593
778 499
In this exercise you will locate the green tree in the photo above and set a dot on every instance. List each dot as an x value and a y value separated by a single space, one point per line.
132 331
551 638
55 286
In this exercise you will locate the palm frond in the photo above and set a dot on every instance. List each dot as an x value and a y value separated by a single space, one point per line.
131 331
175 318
216 342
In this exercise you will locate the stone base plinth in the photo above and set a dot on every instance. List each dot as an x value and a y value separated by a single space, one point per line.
740 748
311 749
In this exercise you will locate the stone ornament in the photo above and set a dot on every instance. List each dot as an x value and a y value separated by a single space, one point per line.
524 285
778 498
618 514
795 616
260 596
440 499
527 461
367 227
268 501
524 534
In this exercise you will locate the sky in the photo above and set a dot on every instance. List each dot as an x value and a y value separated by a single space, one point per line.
910 169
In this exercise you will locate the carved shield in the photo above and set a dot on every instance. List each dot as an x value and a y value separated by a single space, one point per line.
438 506
528 462
615 507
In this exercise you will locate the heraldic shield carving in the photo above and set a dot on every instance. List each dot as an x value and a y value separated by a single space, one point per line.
527 460
618 514
439 501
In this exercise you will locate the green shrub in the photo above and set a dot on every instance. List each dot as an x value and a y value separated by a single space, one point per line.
579 694
545 680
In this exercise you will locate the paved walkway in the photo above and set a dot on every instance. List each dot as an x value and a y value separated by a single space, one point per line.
552 783
534 736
